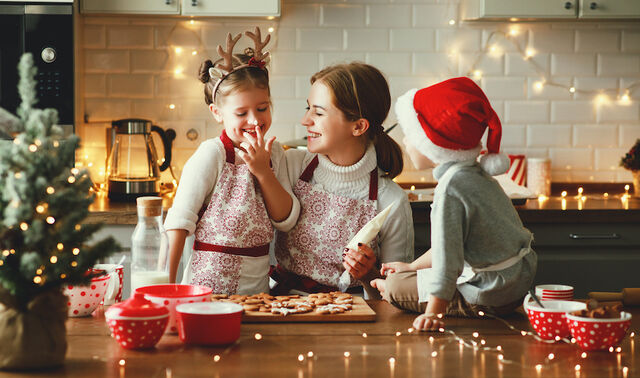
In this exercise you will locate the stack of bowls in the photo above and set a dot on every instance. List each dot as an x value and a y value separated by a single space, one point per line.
550 321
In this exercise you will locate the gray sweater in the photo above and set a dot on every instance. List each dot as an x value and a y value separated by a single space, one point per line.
475 221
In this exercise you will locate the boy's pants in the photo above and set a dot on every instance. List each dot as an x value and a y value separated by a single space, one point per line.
401 290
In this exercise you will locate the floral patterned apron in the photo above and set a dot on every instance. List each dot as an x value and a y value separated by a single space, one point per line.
231 248
313 248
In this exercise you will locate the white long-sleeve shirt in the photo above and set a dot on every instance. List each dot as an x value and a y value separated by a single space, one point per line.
396 236
200 175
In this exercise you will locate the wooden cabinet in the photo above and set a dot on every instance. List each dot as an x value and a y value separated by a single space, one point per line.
549 9
244 8
595 250
231 8
129 6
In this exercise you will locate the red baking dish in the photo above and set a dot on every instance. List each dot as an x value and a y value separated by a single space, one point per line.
209 323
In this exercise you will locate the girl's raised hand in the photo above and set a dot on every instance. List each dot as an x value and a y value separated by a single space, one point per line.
257 153
394 267
359 263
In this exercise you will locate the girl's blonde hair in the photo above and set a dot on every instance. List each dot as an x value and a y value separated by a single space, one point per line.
361 91
242 79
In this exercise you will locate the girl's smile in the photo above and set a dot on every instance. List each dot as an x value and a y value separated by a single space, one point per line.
243 111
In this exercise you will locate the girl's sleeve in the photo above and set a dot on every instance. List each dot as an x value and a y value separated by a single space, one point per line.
279 162
199 177
395 239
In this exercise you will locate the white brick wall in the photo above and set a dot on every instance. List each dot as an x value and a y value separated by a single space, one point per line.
130 63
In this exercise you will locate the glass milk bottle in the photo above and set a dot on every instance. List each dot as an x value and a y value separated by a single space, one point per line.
149 245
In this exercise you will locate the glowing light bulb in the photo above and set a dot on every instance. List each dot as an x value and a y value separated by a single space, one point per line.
347 354
24 226
172 106
434 354
258 336
178 71
53 259
477 74
551 356
538 368
529 53
300 358
309 354
76 251
50 190
392 360
33 148
625 99
584 355
398 333
577 367
194 52
216 358
538 85
192 22
271 29
37 279
572 90
514 31
452 22
475 334
364 335
60 246
71 179
601 99
121 362
178 50
564 193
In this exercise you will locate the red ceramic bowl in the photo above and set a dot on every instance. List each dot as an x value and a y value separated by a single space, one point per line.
83 300
598 333
137 323
209 323
551 321
171 295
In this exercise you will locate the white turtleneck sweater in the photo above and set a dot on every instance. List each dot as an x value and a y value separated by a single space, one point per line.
396 236
200 175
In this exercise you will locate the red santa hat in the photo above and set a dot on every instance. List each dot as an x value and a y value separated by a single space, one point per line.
446 122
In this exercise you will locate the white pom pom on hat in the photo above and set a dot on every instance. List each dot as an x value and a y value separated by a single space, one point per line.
446 122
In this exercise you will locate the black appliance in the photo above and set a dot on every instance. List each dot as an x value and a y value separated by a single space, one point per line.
46 31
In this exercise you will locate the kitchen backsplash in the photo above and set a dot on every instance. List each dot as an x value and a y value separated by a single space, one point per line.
145 67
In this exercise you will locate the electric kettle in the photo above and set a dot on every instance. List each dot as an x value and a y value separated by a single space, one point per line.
133 169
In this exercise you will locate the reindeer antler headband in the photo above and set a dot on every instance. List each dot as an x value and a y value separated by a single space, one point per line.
258 60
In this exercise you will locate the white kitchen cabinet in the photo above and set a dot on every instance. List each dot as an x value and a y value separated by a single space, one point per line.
549 9
231 8
131 6
220 8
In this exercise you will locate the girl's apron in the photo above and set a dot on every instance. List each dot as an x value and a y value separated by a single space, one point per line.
468 272
310 255
231 248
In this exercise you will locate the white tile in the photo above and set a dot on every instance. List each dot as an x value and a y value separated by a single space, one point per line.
300 14
95 85
285 39
303 86
140 37
149 61
159 109
526 111
618 113
388 15
608 159
504 88
319 39
556 89
213 128
329 58
282 86
182 128
130 86
489 66
599 41
571 158
367 39
628 135
418 40
458 40
188 109
515 64
93 134
573 64
593 84
391 63
98 20
342 14
434 64
399 85
546 135
498 107
514 136
605 135
618 64
288 111
97 110
572 112
434 15
178 88
631 40
294 63
551 40
94 36
106 60
213 34
505 44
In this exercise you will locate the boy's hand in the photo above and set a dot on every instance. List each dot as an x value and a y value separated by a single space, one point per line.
381 285
395 267
257 153
428 322
359 263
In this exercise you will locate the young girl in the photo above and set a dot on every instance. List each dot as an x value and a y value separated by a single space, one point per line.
234 189
480 257
342 181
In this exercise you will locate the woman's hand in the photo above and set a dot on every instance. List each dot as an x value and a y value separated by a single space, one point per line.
428 322
359 263
395 267
257 153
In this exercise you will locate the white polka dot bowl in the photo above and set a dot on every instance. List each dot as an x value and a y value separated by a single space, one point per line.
550 321
171 295
83 300
598 333
137 323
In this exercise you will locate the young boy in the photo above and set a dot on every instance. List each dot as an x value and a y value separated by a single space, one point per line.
480 257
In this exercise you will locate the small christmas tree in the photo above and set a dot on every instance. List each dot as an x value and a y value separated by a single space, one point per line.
43 244
631 160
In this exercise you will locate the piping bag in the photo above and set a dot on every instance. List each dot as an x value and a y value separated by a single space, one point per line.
364 236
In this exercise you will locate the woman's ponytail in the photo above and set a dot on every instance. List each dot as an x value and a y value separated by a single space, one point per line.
389 155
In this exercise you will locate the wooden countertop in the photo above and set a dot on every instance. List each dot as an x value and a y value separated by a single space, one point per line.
92 352
102 210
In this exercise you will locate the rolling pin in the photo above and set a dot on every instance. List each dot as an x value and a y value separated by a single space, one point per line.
628 296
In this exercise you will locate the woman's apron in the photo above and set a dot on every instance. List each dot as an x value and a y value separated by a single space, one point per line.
231 248
468 272
310 254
